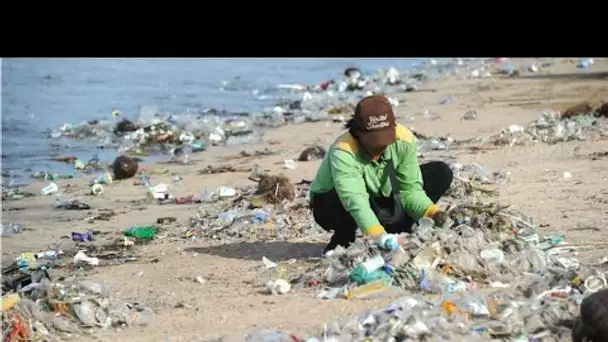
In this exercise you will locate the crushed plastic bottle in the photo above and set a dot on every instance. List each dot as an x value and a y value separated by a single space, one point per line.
49 255
10 229
105 179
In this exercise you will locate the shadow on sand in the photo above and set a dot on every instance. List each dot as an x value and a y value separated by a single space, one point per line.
275 251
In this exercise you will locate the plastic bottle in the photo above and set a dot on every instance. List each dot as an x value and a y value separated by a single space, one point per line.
145 180
462 306
426 227
388 242
50 176
10 229
198 146
426 223
106 178
49 254
369 270
431 281
141 232
585 63
226 217
177 180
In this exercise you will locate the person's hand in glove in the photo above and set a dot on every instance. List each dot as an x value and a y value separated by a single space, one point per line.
388 242
440 218
382 239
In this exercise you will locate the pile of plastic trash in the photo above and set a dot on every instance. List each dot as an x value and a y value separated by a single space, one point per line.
489 274
555 127
277 210
44 309
253 215
43 297
154 132
14 194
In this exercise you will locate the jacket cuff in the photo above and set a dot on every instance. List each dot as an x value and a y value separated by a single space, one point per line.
376 230
432 210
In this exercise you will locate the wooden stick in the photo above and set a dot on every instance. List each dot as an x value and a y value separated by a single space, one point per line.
491 192
518 220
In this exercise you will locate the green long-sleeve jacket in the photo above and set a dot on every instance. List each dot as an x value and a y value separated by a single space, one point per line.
355 176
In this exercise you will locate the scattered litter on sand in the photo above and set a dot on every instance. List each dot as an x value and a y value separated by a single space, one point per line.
488 273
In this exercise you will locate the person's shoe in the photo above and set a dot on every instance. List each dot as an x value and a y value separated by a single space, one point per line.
335 241
331 246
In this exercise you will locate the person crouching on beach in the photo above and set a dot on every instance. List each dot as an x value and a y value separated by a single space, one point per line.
370 178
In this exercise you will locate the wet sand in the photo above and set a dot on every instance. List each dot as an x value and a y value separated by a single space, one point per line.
230 302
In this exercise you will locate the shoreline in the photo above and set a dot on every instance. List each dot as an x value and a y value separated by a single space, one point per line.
23 177
229 301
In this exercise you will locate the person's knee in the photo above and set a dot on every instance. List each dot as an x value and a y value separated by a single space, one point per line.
321 214
323 220
443 173
329 214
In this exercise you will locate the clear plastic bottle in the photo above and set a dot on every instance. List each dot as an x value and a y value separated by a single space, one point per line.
369 270
208 195
425 228
389 242
226 217
432 282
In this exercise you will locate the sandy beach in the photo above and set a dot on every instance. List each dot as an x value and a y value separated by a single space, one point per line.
230 302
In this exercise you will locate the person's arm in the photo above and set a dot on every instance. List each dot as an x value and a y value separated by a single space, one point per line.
415 201
349 184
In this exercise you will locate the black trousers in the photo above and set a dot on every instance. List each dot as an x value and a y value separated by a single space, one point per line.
329 213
